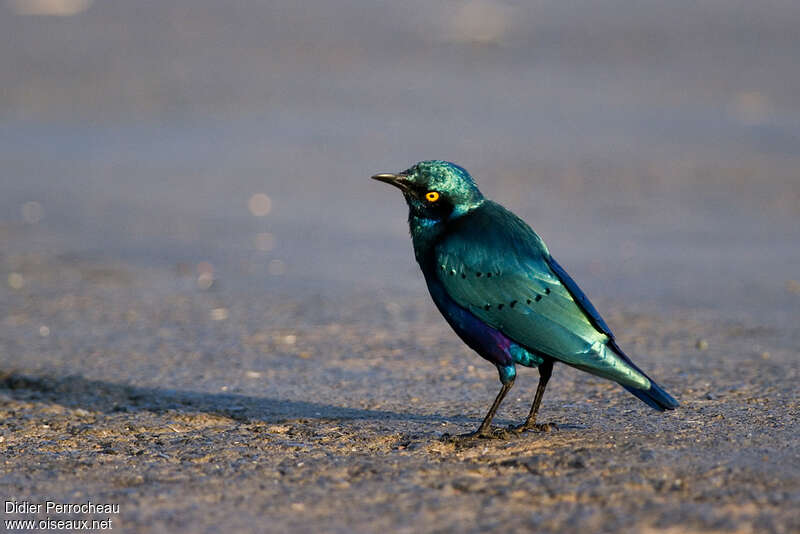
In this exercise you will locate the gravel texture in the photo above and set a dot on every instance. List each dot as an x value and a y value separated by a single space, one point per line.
310 414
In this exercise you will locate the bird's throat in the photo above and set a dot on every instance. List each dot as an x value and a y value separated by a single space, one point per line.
424 234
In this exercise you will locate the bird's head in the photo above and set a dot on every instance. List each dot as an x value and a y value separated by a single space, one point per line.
435 190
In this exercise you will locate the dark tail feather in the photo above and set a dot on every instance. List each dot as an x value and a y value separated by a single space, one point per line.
655 397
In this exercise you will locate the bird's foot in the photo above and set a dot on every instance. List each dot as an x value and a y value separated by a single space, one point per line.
538 427
476 436
464 438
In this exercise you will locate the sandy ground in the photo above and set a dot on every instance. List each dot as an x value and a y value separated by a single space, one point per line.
197 411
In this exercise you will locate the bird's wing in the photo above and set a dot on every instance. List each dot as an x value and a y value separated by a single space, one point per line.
495 266
578 296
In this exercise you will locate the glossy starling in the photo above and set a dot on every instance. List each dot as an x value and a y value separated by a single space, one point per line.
498 287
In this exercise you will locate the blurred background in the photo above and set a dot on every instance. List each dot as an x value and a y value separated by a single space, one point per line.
655 146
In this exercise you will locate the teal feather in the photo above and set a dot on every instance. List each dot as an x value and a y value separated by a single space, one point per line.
503 277
495 282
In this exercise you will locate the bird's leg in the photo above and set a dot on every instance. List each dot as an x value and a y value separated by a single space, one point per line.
484 430
545 370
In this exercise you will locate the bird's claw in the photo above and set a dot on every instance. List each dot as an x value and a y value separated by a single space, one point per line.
497 433
476 436
462 438
538 427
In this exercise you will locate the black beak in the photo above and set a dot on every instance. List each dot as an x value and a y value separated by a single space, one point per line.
397 180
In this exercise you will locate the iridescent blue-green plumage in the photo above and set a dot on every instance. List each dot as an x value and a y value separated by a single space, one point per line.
495 282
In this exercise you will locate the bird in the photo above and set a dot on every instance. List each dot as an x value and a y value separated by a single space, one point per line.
502 292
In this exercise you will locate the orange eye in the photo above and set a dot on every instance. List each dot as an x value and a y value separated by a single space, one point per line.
431 196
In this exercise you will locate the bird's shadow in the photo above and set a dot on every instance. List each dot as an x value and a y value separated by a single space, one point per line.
76 391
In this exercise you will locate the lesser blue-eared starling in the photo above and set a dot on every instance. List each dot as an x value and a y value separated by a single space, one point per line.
498 287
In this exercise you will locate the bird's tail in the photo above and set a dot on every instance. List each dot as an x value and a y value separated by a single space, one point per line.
655 397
